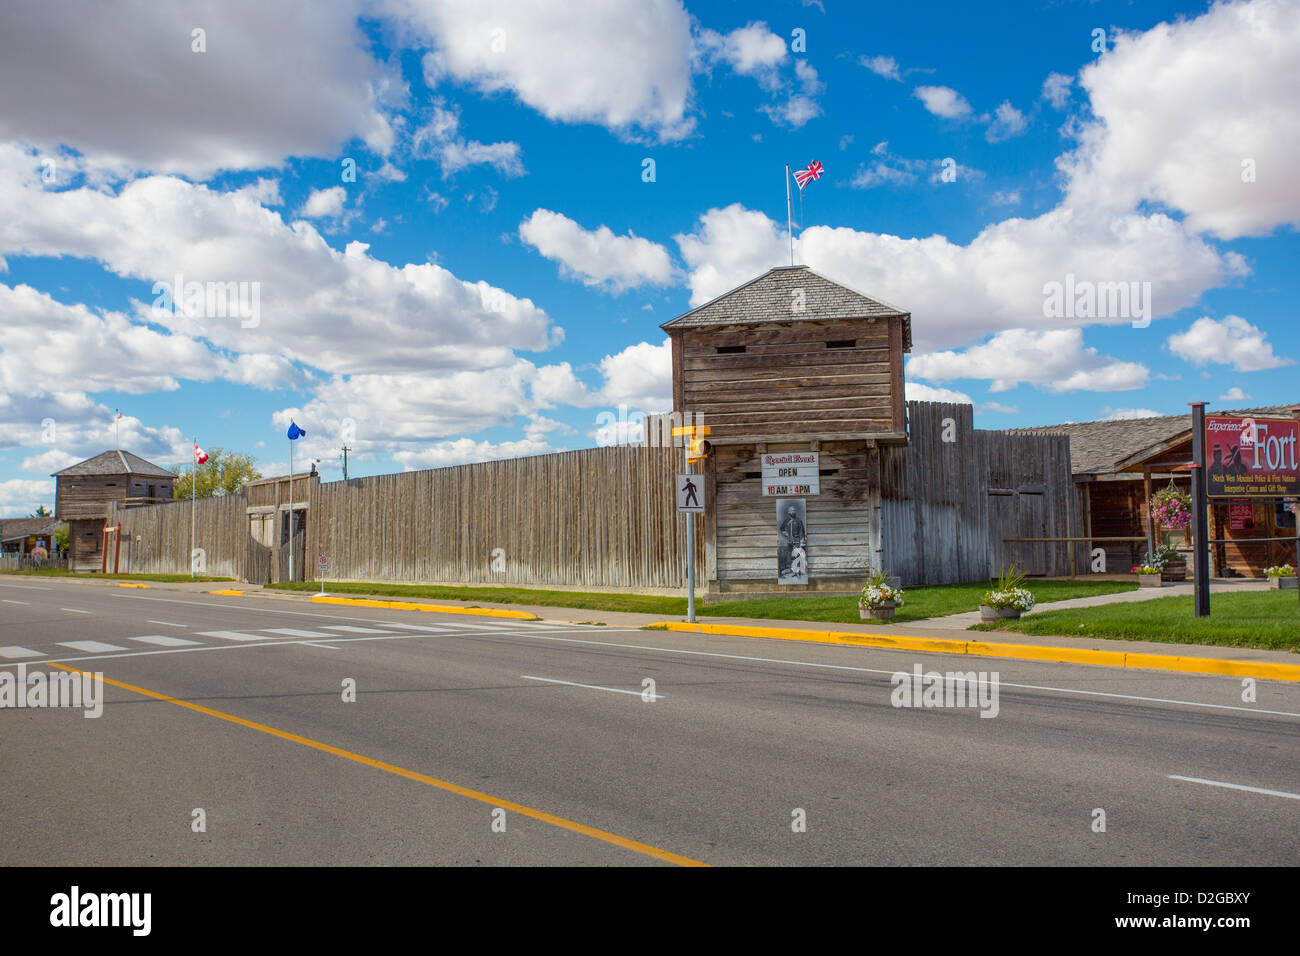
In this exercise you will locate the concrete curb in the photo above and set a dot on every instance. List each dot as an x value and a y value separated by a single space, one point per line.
438 608
1263 670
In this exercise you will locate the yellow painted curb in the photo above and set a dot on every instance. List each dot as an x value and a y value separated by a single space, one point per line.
230 593
1265 670
437 608
132 585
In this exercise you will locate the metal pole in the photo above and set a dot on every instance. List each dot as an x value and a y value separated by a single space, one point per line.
194 504
291 510
1200 516
789 227
690 549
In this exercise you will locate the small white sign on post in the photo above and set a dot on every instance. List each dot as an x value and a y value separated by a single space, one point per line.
322 565
690 493
791 474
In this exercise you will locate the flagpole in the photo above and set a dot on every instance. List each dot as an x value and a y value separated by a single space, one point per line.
789 229
291 508
194 503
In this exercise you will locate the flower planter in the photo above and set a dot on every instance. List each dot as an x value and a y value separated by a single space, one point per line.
1175 571
1150 580
881 612
991 614
1283 584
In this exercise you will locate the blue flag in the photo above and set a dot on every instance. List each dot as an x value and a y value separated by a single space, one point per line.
295 432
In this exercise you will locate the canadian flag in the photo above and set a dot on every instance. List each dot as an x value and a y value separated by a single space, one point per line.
200 456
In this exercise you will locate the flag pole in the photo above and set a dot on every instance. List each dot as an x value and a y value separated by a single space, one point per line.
194 502
291 509
789 229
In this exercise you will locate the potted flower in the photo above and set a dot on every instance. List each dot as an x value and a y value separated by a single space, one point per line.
879 599
1169 561
1008 599
1281 577
1148 575
1171 508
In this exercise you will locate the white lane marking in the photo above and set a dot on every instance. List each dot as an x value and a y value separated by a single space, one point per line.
354 630
167 623
294 632
569 683
7 601
323 647
877 670
14 652
90 647
1237 786
232 635
333 617
227 647
426 628
25 587
163 641
75 610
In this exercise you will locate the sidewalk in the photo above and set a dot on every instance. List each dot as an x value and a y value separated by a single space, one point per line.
966 618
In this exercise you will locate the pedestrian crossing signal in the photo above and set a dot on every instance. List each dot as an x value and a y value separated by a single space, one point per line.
698 450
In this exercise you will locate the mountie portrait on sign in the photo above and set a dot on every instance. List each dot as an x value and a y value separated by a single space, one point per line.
792 541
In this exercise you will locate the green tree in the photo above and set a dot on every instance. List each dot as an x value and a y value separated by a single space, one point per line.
224 473
42 512
61 538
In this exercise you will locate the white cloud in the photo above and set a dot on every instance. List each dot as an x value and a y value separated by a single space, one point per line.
127 91
1007 123
885 66
439 138
625 64
1181 107
325 203
1229 341
1055 360
640 376
464 451
943 101
997 277
752 50
919 392
598 257
1005 197
19 497
999 408
1127 414
1056 89
1234 394
340 312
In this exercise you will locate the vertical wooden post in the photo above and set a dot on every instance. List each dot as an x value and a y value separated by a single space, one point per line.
1146 505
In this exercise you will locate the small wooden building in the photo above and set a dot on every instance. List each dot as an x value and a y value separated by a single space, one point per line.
86 491
22 536
1119 465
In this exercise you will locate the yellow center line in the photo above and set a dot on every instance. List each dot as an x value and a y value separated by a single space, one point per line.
543 816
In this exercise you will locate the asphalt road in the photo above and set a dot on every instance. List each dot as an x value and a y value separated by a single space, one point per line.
461 723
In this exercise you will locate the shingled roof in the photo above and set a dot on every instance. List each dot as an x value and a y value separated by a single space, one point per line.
116 463
1095 447
768 297
14 528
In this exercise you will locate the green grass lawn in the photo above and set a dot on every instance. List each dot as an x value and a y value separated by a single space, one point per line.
161 578
1264 619
918 603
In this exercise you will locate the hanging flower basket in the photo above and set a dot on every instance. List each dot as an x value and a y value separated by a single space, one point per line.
1171 508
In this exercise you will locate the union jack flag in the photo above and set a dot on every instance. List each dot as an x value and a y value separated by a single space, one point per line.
804 176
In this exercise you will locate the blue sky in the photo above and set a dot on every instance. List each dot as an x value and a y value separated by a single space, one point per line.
491 281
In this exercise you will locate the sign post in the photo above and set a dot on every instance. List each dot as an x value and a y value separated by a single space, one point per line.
322 565
691 501
1200 515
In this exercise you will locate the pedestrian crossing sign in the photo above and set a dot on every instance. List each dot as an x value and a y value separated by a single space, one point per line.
690 493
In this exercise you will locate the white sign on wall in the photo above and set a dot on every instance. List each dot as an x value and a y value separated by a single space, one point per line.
792 473
690 493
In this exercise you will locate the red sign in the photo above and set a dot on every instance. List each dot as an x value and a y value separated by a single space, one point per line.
1247 457
1241 515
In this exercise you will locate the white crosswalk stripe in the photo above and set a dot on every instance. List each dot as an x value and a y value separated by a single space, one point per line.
232 635
163 640
420 627
354 630
14 652
90 647
295 632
